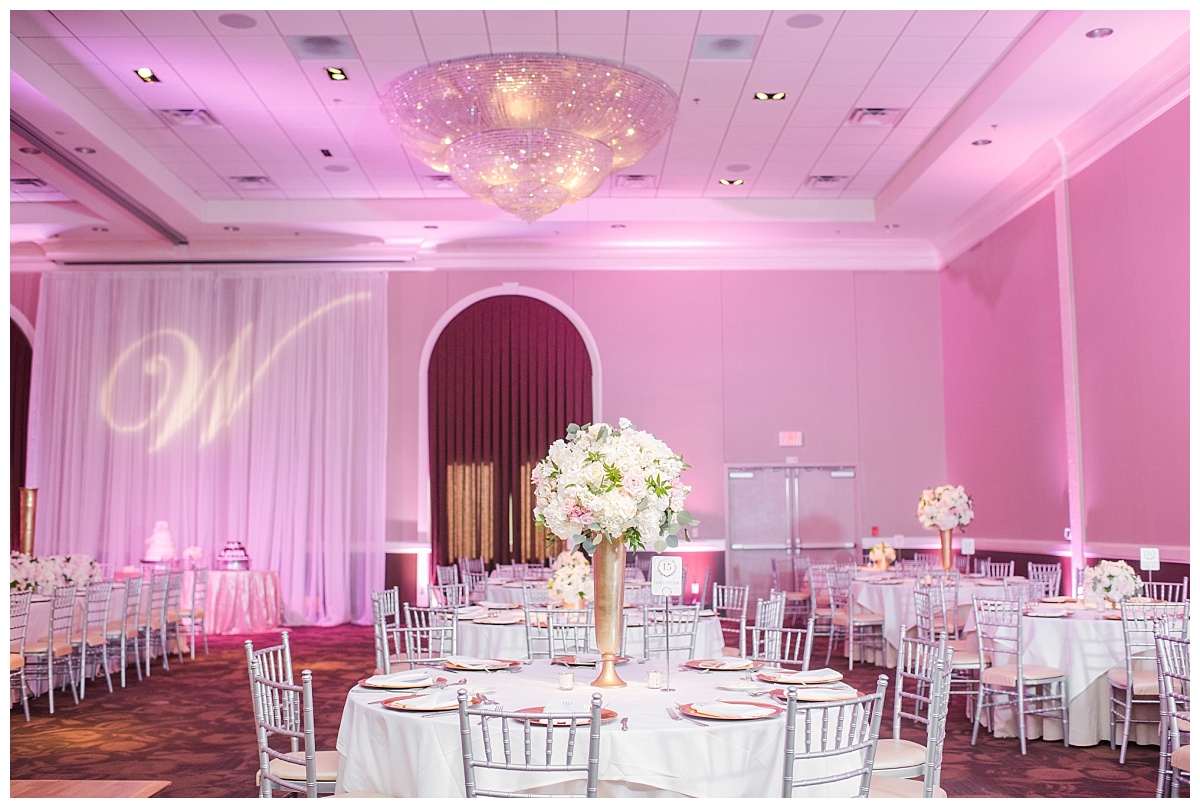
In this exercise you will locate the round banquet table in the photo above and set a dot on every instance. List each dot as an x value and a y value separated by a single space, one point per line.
508 641
1085 646
499 589
411 755
239 601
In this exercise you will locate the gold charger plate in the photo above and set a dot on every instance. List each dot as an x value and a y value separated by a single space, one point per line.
400 703
711 665
606 715
508 663
401 685
775 709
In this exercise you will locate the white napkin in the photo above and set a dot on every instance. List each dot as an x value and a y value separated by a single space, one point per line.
500 620
831 693
432 701
474 663
471 612
805 677
413 678
587 659
722 709
495 604
727 663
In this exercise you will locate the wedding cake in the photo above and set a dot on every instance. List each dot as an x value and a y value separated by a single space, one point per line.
233 556
160 546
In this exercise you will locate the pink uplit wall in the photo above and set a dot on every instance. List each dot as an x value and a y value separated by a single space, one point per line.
1129 219
717 364
23 293
1002 362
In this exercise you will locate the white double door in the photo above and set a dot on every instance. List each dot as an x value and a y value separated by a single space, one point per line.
780 511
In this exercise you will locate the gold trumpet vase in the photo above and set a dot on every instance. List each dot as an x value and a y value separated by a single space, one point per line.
947 550
608 576
28 519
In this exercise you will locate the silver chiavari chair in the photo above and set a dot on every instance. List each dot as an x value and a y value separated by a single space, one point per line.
18 622
91 640
122 634
55 651
1173 652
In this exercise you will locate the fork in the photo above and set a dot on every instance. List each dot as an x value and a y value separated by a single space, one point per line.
671 712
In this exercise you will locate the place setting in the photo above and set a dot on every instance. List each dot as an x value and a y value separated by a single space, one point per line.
584 660
461 663
730 710
722 664
403 680
536 715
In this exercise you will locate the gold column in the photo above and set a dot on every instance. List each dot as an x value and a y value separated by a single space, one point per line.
608 576
28 519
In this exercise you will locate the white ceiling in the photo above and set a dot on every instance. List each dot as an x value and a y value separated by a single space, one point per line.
914 192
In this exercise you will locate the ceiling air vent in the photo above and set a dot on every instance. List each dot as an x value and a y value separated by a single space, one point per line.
827 182
251 181
875 116
29 183
441 182
188 118
322 47
635 181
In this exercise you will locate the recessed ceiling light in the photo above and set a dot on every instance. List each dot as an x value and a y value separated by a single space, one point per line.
146 75
770 96
732 182
232 228
617 226
737 168
237 21
804 21
981 142
336 74
85 150
29 150
1099 33
99 229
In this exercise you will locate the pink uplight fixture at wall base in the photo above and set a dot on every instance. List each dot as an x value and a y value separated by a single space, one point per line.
529 132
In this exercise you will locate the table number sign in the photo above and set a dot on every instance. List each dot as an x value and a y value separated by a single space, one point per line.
967 546
666 576
1149 562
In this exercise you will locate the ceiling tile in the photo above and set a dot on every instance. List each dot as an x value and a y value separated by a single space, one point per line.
923 118
940 97
264 26
962 76
379 23
520 22
599 46
888 97
1005 23
800 134
829 97
860 135
842 74
97 23
450 22
787 76
669 73
942 23
112 97
936 49
698 134
733 23
384 73
523 42
160 136
389 47
188 49
26 23
977 50
251 50
82 76
123 52
818 116
57 51
908 136
663 22
443 47
848 152
599 23
279 83
133 117
868 49
309 23
168 23
873 23
912 74
657 47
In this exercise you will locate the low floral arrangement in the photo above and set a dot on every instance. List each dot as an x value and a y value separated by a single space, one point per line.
192 555
882 554
43 573
621 484
945 508
1113 581
571 578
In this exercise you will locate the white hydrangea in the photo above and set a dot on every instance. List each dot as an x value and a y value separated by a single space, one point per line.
618 483
1110 580
46 572
945 507
571 578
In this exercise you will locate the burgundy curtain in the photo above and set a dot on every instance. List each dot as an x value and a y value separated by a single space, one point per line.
20 363
506 377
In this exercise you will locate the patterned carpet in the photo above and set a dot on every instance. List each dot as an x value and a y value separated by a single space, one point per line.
199 713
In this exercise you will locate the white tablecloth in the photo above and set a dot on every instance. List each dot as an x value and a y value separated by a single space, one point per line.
499 589
409 755
508 642
239 601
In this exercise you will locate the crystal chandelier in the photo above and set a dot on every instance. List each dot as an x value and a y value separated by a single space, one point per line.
529 132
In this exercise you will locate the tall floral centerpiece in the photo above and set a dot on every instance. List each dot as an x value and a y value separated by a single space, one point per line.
608 490
881 555
1110 582
945 508
571 579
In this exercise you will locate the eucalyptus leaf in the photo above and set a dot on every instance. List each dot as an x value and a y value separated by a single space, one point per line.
660 545
685 518
672 541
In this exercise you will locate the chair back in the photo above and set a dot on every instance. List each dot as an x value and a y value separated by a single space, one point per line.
729 602
940 614
1050 575
1175 593
915 673
769 613
156 603
637 593
535 593
507 571
274 661
780 647
981 565
1140 622
962 563
821 731
62 615
18 620
385 617
1173 654
133 603
998 623
447 574
95 615
704 587
428 635
939 710
174 593
1024 592
678 636
537 632
283 710
535 572
476 583
645 564
448 596
999 569
514 742
572 632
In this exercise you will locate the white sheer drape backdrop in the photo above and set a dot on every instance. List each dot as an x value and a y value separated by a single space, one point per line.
233 405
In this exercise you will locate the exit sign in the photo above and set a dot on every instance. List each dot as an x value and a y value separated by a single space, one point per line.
791 438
